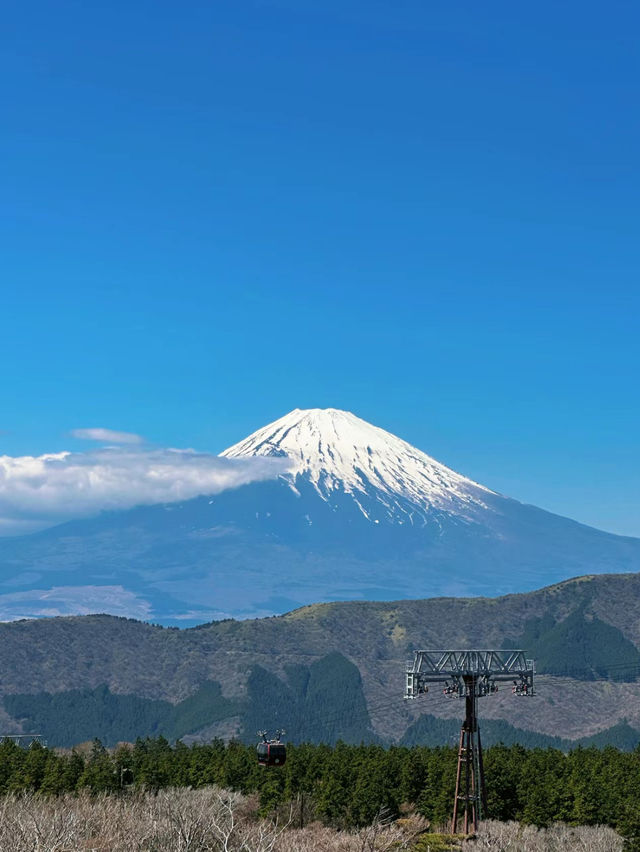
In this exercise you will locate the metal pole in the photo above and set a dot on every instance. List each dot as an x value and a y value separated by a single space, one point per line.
467 772
456 797
482 788
474 739
469 724
469 756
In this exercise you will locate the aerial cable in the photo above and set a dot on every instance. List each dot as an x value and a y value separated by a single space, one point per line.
348 717
435 699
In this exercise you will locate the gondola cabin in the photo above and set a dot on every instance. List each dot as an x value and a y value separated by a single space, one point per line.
271 753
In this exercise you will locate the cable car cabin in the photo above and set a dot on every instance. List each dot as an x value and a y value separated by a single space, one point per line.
271 754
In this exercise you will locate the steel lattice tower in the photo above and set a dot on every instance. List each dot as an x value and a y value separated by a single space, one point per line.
469 674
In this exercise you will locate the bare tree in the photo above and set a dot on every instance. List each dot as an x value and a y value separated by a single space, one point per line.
216 820
512 837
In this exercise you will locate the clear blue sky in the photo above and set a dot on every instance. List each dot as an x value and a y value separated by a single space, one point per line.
426 213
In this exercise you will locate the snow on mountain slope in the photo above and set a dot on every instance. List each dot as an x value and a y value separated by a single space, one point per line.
338 453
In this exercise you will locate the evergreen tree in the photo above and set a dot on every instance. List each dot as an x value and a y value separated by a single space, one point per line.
99 773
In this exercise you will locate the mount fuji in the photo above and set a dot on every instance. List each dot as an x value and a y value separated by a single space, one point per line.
353 513
347 461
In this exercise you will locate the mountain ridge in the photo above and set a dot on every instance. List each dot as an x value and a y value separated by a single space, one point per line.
59 655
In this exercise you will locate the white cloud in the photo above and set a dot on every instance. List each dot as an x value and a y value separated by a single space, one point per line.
108 435
18 526
73 600
38 491
201 615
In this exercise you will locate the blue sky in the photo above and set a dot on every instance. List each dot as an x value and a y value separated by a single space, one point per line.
212 213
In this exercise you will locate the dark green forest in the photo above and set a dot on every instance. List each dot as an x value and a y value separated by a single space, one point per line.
431 731
321 703
346 785
78 715
581 646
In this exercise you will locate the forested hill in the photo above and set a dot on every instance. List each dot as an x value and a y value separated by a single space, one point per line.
327 671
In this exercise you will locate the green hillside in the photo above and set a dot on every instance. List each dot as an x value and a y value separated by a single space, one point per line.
323 702
581 646
320 703
67 718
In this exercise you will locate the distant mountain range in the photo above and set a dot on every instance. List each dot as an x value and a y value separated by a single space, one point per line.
331 671
359 514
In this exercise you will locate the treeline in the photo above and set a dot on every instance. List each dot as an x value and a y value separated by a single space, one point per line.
346 786
432 731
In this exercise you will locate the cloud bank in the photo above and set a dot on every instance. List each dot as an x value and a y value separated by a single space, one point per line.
39 491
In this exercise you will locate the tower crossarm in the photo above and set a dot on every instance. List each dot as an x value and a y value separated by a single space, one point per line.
460 668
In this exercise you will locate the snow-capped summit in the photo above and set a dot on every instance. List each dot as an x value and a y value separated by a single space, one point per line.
340 454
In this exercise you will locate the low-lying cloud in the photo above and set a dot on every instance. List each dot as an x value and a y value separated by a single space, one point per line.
110 436
39 491
73 600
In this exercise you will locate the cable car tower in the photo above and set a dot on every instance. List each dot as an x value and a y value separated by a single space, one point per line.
469 674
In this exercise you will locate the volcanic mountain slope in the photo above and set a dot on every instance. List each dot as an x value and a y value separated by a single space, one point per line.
346 460
360 514
313 669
